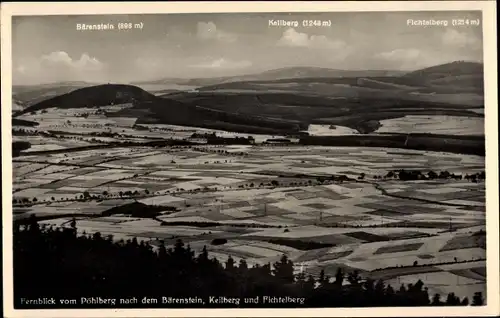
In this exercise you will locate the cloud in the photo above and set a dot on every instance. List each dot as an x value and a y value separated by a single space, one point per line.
461 39
147 63
57 57
401 54
413 58
292 38
62 59
208 31
87 62
21 69
224 64
409 58
58 66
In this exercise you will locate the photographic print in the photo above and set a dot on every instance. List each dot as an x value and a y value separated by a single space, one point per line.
278 159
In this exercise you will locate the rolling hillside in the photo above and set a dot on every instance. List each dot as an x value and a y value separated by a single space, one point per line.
26 95
455 77
457 68
271 75
463 74
289 105
356 102
17 105
94 96
148 108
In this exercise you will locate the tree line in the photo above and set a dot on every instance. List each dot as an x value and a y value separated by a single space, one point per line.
411 175
56 262
470 145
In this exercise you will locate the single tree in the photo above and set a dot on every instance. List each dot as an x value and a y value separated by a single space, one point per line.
230 264
465 302
339 277
477 299
284 269
436 300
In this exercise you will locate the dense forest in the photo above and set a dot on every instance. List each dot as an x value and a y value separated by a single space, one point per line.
470 145
18 146
56 262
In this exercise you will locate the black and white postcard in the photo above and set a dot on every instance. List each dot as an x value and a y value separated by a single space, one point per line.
250 159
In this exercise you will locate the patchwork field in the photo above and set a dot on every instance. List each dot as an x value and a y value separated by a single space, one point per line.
330 130
454 125
71 128
266 201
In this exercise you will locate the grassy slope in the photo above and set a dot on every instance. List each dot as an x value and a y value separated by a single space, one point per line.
472 145
151 109
94 96
281 73
33 94
274 106
355 102
353 112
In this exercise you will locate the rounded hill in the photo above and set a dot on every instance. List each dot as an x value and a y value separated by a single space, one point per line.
457 68
94 96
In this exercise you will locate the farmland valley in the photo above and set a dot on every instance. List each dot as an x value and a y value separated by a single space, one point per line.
376 172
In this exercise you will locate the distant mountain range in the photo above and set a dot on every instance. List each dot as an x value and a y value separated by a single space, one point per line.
457 68
276 74
286 101
26 95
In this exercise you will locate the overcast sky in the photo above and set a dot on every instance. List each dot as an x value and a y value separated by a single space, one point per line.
50 49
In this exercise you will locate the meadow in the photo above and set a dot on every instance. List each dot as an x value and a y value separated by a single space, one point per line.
311 172
270 200
434 124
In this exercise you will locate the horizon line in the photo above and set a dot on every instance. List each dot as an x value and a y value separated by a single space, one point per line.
126 82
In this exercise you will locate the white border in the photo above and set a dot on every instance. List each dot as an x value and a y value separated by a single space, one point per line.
77 8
